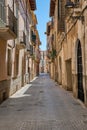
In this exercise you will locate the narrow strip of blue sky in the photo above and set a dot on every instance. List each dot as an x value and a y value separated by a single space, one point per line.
42 13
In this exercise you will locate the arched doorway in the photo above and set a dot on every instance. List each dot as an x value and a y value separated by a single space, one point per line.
80 72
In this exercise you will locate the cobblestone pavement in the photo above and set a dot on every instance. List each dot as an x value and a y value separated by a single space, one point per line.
42 105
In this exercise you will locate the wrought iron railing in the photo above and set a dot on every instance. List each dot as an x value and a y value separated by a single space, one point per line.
7 18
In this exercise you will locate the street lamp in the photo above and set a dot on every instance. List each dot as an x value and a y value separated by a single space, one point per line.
46 33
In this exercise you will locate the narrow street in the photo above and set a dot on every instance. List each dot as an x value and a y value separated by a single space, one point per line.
42 105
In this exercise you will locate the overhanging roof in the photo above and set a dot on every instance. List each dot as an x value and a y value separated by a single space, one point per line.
52 7
32 4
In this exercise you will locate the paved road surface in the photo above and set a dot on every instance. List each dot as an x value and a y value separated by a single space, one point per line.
42 105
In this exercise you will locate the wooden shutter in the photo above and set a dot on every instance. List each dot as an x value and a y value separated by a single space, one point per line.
61 15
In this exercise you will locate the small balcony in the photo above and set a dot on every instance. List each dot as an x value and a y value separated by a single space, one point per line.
30 51
33 38
22 39
8 23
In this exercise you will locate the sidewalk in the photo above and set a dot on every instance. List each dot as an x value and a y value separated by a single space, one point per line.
42 105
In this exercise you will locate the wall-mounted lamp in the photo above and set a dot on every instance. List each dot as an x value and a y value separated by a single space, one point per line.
46 33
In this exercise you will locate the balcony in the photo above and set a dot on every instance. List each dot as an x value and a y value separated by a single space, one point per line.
52 55
33 38
8 23
30 51
22 39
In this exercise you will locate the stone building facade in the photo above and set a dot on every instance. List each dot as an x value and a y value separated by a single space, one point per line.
70 30
16 19
43 62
